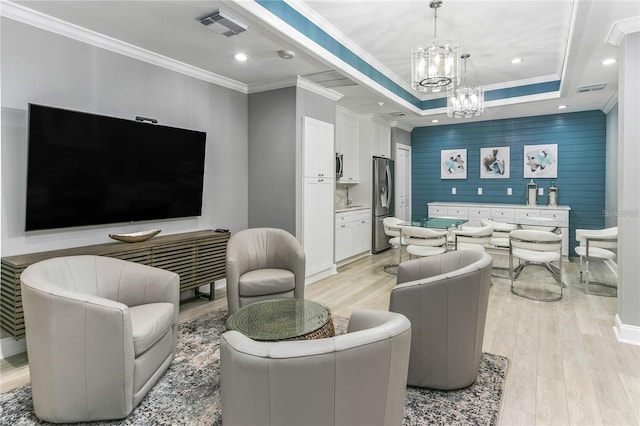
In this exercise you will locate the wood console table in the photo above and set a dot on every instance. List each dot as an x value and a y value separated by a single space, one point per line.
198 257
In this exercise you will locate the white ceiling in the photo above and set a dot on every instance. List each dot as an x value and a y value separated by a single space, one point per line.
558 40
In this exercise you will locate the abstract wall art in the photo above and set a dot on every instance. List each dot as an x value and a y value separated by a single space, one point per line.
453 164
541 161
495 162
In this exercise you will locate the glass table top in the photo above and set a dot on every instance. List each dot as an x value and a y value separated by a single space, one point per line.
279 319
435 222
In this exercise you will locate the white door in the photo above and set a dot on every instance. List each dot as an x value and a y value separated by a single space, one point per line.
403 182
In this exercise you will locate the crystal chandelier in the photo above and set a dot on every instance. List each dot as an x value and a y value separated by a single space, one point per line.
465 100
435 66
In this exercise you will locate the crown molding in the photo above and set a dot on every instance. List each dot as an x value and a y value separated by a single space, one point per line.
343 110
621 28
318 90
611 102
271 85
49 23
402 126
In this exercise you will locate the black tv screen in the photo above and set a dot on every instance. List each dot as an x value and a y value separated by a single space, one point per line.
88 169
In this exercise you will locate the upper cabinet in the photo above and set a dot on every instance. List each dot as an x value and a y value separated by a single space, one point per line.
375 134
347 144
381 142
318 149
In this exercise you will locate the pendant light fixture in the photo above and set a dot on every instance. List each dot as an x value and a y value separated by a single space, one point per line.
465 100
435 66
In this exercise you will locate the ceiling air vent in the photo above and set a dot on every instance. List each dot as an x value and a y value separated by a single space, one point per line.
397 114
222 23
591 88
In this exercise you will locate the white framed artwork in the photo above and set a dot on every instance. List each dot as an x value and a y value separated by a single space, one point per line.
495 162
453 164
541 161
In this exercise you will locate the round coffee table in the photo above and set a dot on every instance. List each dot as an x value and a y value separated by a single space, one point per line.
283 319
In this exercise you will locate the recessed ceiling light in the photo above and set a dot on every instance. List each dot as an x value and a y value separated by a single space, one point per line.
242 57
609 61
434 121
286 54
516 60
562 106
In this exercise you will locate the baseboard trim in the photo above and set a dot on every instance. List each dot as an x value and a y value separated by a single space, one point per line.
320 275
10 347
626 333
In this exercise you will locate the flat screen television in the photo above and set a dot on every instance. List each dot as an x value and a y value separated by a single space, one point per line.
88 169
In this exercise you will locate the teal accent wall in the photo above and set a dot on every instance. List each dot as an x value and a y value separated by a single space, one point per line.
581 139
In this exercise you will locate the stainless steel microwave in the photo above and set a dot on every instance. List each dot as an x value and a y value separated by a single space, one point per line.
339 165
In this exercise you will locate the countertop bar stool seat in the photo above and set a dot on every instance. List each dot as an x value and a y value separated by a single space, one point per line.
423 242
598 244
472 237
499 240
392 229
536 247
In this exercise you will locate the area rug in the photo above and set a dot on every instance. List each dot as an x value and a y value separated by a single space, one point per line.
189 392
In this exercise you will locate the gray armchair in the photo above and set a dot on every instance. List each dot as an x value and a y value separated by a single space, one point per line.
445 297
100 333
263 263
358 378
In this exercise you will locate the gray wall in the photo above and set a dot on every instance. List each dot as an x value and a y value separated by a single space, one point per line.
399 136
275 154
272 159
46 68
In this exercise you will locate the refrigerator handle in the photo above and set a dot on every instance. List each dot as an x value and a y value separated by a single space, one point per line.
389 184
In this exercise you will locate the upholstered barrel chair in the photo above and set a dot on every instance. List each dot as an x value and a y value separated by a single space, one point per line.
100 333
358 378
263 263
445 297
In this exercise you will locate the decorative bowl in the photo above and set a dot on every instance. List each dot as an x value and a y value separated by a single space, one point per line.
135 237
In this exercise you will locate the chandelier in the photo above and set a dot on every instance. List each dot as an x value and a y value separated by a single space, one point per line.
435 66
465 100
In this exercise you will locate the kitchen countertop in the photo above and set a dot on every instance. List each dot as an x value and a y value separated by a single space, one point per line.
351 208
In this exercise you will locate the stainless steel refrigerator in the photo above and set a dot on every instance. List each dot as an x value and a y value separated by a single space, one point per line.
382 203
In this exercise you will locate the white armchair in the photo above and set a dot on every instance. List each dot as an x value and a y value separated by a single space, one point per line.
100 333
596 244
535 247
358 378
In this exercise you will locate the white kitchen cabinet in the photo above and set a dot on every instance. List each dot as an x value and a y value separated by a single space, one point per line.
344 237
361 231
352 233
318 148
317 224
381 142
348 144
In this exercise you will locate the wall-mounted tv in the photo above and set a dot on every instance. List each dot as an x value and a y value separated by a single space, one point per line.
88 169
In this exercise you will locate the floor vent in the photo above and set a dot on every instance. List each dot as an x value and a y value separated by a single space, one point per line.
591 88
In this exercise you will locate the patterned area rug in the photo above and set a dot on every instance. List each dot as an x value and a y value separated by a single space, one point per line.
189 392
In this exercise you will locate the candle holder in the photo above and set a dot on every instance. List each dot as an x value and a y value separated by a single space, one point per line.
532 193
553 194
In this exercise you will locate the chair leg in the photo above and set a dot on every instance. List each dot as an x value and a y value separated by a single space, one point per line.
581 269
556 273
588 281
392 268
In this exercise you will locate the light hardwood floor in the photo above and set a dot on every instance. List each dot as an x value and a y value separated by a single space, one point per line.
565 365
